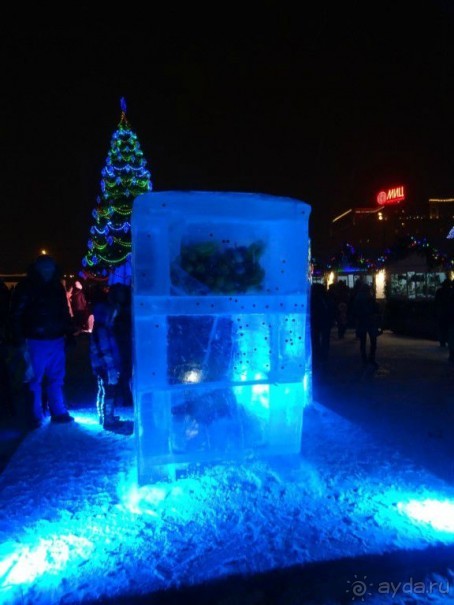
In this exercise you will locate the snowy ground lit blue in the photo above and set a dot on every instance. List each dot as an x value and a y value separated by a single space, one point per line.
75 527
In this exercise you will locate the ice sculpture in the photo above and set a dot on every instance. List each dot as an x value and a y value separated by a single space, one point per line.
221 343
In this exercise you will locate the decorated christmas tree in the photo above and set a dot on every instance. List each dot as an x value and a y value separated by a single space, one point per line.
124 177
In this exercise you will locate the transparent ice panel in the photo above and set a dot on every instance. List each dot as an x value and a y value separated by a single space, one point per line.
221 348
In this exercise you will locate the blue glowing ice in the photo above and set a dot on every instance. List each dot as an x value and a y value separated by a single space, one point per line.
221 343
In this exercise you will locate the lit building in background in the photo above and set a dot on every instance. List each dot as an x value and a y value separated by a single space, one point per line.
400 247
374 229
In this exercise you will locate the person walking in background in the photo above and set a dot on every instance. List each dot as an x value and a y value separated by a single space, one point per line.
341 294
351 303
367 317
79 308
41 326
442 310
322 317
341 318
105 358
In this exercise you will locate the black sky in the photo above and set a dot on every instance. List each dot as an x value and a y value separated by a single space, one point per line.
325 104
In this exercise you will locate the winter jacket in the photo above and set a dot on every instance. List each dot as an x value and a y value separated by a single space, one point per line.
39 309
78 301
104 351
367 314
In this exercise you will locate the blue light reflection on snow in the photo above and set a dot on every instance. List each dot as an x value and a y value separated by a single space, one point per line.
143 500
24 563
181 498
422 514
86 420
56 554
437 514
59 553
46 556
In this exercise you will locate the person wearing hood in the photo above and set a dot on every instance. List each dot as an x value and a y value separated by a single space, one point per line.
40 324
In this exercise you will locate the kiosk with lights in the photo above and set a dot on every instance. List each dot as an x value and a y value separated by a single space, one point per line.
222 358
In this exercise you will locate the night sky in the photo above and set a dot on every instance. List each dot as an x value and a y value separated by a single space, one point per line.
324 104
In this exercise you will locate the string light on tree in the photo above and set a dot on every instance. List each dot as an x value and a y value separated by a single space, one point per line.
124 177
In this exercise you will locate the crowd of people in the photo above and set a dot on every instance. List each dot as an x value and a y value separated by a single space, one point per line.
342 307
39 320
339 306
43 316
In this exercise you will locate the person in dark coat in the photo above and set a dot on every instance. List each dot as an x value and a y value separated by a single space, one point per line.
342 296
41 326
120 295
442 310
351 304
367 316
79 307
322 318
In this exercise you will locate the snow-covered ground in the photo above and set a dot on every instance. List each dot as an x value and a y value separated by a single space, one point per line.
364 514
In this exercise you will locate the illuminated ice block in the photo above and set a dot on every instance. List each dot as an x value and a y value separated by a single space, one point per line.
222 364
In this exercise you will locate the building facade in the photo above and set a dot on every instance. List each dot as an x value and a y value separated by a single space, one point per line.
378 227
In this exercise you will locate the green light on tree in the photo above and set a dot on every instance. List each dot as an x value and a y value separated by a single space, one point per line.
124 177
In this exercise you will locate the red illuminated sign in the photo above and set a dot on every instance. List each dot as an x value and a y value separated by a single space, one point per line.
392 196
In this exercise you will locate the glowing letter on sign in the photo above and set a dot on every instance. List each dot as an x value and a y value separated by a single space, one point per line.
392 196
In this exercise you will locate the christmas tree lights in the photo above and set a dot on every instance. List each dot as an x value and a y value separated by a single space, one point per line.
124 177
